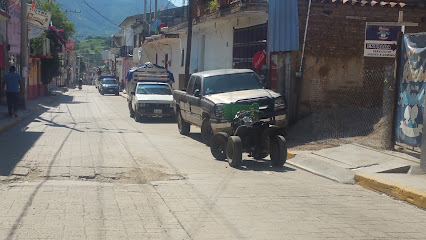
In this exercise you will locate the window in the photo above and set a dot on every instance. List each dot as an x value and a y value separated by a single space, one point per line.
231 83
155 89
197 85
190 85
140 39
182 61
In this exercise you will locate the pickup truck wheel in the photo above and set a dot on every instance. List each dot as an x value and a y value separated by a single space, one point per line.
278 151
206 131
218 145
234 151
183 126
132 113
138 117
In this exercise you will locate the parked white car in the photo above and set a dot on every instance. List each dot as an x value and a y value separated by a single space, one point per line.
152 99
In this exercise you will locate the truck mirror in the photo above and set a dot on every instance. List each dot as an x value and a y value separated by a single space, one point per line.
132 93
197 93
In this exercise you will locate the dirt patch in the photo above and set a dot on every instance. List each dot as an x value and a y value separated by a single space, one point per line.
110 175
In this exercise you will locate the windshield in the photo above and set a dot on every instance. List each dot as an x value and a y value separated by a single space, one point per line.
109 81
231 82
154 89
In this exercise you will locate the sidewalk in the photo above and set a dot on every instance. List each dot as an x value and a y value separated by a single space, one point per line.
32 106
395 174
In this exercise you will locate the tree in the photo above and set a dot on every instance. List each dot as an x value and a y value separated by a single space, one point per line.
59 18
61 30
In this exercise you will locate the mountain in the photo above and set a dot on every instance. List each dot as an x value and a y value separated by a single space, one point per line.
89 22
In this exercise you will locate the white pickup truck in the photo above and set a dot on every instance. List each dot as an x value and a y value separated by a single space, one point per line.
149 93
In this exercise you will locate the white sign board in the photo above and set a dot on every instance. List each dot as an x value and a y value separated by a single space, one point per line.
381 40
37 18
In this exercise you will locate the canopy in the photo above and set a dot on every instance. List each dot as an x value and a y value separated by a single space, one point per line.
147 65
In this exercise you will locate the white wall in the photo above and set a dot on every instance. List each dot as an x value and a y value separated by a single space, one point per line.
128 35
218 53
170 47
219 41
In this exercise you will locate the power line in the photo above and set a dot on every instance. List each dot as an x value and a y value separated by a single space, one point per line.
100 14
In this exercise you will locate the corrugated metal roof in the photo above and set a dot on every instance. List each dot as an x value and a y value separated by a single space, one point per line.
394 3
283 29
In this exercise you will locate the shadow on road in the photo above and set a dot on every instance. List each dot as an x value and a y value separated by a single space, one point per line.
262 165
195 136
17 141
158 120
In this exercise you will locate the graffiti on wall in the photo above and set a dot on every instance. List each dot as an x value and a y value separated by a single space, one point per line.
411 80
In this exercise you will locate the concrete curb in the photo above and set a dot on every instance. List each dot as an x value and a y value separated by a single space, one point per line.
122 95
322 169
395 190
14 122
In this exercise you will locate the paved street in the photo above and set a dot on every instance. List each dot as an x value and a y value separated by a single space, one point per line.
83 169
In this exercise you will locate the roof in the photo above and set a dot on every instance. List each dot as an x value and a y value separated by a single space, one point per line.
221 72
382 3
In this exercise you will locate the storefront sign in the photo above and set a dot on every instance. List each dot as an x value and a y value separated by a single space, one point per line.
381 41
37 18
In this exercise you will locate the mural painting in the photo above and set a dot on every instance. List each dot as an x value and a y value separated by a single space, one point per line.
411 80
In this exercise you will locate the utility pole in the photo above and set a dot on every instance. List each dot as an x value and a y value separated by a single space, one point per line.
189 40
155 9
144 10
24 51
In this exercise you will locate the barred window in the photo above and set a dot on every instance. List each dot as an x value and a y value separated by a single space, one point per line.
4 5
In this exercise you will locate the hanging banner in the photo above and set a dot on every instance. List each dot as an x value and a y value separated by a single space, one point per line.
380 40
34 32
14 28
411 80
37 18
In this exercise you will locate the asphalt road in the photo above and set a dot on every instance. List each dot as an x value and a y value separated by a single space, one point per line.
83 169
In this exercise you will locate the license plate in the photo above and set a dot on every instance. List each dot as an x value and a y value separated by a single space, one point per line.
158 111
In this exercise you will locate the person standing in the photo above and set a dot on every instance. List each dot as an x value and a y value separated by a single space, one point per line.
12 81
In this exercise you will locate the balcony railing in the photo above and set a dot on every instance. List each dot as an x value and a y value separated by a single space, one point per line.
224 8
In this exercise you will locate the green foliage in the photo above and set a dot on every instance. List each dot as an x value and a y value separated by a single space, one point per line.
59 18
51 67
91 48
93 45
212 5
83 66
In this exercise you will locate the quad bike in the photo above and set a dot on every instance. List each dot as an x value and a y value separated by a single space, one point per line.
258 138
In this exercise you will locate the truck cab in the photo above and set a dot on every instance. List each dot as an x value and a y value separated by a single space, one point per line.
149 92
152 99
201 104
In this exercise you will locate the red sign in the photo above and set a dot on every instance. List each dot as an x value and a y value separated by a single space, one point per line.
259 59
